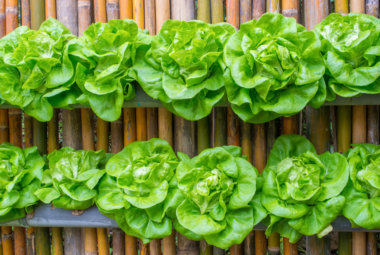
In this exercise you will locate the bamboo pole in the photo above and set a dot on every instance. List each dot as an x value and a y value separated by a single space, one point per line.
102 133
4 137
233 122
318 120
259 161
290 125
67 13
126 9
50 10
341 6
258 8
53 144
118 237
129 123
344 134
38 239
291 8
15 124
25 13
203 125
165 120
371 8
219 113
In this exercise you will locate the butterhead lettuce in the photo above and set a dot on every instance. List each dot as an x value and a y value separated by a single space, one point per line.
36 73
275 68
105 74
302 189
21 172
351 49
362 193
70 182
182 67
221 204
140 189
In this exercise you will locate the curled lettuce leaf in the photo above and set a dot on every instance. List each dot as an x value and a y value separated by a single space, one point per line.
72 178
140 189
104 73
221 204
302 189
36 73
183 67
362 193
21 172
351 49
275 68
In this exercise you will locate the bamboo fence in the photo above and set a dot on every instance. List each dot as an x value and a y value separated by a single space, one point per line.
81 130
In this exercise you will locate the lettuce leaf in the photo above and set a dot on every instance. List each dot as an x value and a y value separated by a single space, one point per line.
182 67
274 68
302 190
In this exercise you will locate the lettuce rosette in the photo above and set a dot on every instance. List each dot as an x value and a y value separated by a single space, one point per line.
351 49
221 204
36 73
183 67
140 189
362 192
21 172
302 189
105 74
275 68
72 178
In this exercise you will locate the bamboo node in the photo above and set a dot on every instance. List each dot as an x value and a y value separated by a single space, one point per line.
290 12
11 10
84 3
7 236
113 6
77 212
2 16
274 249
4 127
91 253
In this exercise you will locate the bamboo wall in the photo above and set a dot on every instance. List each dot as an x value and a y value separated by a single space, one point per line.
82 130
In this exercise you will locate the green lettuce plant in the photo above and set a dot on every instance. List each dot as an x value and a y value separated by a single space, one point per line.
351 46
302 189
70 182
36 73
140 189
275 68
183 67
104 73
21 172
362 192
221 203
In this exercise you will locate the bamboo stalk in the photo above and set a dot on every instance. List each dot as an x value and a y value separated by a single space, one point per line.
274 6
141 113
359 135
126 9
25 13
129 120
112 9
258 8
371 8
165 120
7 240
291 8
28 130
341 6
203 11
31 241
344 134
260 160
50 10
318 132
217 11
4 126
